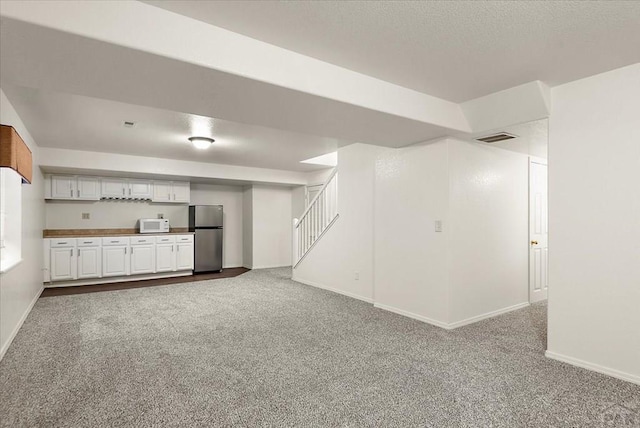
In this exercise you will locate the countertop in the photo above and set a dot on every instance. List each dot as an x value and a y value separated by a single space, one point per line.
84 233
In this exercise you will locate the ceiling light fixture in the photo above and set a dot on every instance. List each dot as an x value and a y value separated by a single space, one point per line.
201 142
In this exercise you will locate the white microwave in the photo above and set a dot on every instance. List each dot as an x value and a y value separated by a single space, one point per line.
153 225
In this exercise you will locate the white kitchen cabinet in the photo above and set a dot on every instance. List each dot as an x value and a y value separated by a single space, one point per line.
140 189
143 255
161 191
114 188
63 187
63 263
89 262
181 191
165 257
115 256
72 187
88 188
184 256
171 191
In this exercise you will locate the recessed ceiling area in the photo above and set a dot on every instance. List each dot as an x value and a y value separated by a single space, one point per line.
429 45
83 123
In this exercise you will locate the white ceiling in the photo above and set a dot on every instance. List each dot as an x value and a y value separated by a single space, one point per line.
83 123
453 50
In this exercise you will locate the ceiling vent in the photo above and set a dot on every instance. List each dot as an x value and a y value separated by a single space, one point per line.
494 138
128 124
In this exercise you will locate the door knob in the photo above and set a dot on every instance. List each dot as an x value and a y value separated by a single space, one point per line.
534 242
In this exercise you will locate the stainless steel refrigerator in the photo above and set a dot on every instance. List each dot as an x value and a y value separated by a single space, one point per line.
206 222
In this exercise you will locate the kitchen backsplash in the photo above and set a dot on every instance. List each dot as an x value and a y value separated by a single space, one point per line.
110 214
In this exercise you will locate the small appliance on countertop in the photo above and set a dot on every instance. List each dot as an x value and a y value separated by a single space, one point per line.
153 225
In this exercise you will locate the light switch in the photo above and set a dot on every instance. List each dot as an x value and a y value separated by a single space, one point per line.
438 225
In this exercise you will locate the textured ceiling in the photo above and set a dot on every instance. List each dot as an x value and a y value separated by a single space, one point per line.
453 50
83 123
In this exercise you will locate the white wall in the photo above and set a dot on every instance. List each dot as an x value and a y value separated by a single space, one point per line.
478 264
231 197
247 227
594 223
347 247
111 214
271 226
21 286
488 230
411 193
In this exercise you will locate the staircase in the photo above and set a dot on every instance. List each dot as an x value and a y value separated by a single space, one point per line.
321 213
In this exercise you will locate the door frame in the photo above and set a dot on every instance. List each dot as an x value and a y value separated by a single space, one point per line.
540 161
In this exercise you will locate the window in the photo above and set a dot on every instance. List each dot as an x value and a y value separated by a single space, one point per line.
10 219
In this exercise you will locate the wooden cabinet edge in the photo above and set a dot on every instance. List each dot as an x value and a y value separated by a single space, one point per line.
14 153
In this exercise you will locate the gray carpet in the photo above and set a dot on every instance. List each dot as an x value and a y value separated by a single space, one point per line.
262 350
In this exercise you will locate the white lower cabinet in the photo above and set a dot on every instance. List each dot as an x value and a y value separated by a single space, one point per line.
143 255
115 256
165 254
184 256
90 258
63 263
89 262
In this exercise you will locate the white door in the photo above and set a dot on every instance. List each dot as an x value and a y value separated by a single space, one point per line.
143 259
181 191
538 231
88 188
63 264
140 189
63 187
115 261
162 191
165 258
311 193
89 262
184 256
113 188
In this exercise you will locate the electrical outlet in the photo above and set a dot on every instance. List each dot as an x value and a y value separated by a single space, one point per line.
160 215
357 276
86 216
438 226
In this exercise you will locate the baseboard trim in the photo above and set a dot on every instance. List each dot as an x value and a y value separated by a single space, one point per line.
412 315
488 315
334 290
18 326
269 267
116 279
593 367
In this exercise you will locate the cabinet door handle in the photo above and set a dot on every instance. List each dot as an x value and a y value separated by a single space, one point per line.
129 191
125 250
78 192
78 252
169 196
71 191
72 252
172 248
174 196
131 251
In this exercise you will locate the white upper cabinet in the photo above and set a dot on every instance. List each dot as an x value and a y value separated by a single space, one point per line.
96 188
114 188
72 187
161 191
140 189
172 191
63 187
181 191
88 188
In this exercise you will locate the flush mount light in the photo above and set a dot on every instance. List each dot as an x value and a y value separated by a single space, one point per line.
201 142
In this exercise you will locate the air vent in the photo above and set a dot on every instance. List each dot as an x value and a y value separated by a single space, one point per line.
128 124
494 138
